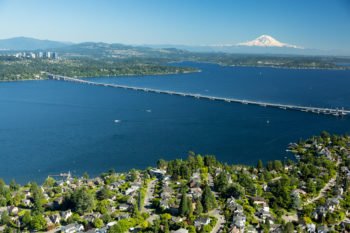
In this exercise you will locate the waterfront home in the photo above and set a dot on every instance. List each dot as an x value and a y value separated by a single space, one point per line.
157 173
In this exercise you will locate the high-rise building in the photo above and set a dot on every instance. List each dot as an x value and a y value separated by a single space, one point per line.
54 55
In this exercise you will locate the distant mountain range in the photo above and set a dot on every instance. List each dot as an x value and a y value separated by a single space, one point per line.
25 43
262 45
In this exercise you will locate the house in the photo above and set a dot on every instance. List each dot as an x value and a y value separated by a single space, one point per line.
322 229
181 230
164 204
259 201
236 230
26 202
123 206
251 229
66 214
71 228
319 212
201 221
157 173
123 216
231 202
13 210
264 212
332 204
110 224
196 193
176 219
48 221
311 227
238 220
89 218
55 218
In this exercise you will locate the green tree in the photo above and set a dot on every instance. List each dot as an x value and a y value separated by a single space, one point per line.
259 166
13 186
38 222
166 227
133 175
103 193
208 199
289 228
234 190
221 182
277 165
161 163
49 182
199 208
85 176
98 223
199 161
5 218
27 218
81 201
184 208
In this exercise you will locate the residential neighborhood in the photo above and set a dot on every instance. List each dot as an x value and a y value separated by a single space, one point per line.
310 193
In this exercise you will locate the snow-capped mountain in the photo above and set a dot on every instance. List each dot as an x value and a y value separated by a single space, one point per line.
267 41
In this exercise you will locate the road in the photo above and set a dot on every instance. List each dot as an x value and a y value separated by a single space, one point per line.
147 205
216 212
324 190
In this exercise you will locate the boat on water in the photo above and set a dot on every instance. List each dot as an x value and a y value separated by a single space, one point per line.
116 121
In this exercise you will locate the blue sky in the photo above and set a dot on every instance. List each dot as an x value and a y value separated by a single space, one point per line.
322 24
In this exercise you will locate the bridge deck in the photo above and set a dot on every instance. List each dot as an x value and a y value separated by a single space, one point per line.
318 110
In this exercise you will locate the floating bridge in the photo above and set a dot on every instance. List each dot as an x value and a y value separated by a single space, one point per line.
328 111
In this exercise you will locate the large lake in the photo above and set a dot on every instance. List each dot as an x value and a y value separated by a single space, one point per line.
49 127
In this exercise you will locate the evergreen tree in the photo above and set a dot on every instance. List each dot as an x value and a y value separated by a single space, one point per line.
13 186
259 166
156 226
166 227
133 175
289 228
183 208
161 163
185 172
208 199
37 206
221 182
199 161
199 208
103 193
86 176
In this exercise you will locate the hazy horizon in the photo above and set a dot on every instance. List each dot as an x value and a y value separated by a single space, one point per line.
321 25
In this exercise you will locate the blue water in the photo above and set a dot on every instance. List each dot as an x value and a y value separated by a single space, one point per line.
48 127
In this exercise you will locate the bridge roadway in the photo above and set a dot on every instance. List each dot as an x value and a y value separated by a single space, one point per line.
317 110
